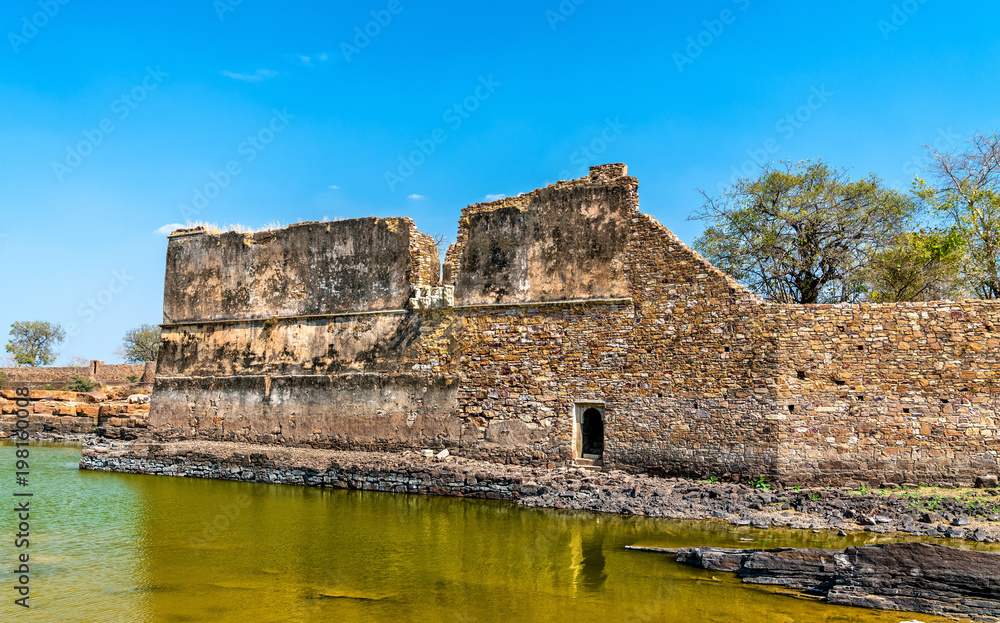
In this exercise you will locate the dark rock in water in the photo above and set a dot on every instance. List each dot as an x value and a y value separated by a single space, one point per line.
916 577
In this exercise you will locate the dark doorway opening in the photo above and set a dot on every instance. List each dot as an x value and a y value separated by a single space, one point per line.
592 431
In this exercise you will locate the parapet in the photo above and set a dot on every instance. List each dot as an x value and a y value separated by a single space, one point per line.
314 268
566 241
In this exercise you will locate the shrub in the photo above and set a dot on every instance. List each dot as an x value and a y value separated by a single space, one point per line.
79 383
132 378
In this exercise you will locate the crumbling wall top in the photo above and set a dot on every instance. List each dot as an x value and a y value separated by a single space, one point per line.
314 268
562 242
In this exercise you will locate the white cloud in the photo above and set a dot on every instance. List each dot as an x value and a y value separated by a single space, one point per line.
495 197
308 60
166 229
334 187
416 197
257 76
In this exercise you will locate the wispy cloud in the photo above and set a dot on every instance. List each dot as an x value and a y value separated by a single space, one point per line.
495 197
310 59
416 197
334 187
257 76
167 229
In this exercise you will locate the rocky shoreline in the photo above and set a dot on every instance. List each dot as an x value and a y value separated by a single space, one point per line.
970 514
914 577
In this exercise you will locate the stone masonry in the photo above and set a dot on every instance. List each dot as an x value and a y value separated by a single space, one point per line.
554 306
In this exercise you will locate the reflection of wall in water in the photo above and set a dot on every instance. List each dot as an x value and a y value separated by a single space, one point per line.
587 554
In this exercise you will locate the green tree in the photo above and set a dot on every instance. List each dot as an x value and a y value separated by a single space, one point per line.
141 343
803 232
32 343
923 265
966 191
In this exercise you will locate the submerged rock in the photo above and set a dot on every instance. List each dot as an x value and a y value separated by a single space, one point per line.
915 577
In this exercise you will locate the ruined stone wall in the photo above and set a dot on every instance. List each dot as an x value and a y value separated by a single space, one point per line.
565 241
699 398
306 269
301 337
565 295
521 369
59 376
887 393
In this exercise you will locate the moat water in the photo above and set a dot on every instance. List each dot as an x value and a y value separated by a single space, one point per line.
120 547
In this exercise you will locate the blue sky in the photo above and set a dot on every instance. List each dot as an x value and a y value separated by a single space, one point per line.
120 118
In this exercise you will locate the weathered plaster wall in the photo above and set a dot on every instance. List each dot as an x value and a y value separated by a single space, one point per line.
565 241
362 411
306 269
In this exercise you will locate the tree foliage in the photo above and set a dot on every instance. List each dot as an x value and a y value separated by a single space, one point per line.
966 192
141 343
803 232
921 266
78 383
32 342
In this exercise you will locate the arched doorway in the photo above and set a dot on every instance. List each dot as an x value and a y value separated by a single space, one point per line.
592 433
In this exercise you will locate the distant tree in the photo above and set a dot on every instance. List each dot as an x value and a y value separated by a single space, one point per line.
78 362
966 191
920 266
32 342
803 232
120 352
141 343
441 241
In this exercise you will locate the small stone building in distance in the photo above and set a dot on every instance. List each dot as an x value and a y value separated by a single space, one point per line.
568 327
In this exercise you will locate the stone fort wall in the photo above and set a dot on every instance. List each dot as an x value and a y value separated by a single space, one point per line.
60 376
342 335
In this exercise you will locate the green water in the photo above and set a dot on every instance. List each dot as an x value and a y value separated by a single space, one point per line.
119 547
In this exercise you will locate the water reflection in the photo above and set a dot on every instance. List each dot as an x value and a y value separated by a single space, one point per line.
145 548
592 575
